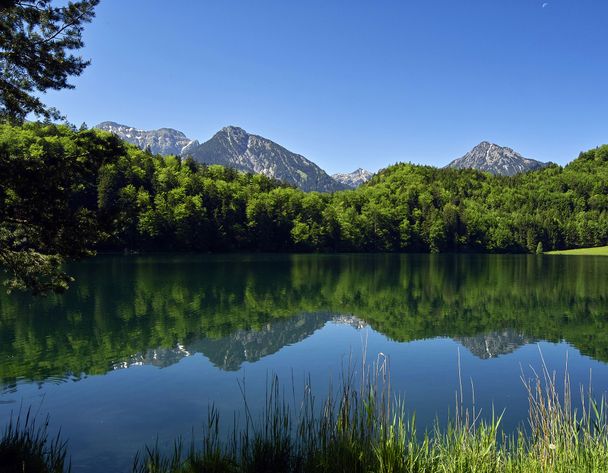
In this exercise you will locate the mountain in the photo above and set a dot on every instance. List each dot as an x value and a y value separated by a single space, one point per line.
234 147
162 141
496 160
353 179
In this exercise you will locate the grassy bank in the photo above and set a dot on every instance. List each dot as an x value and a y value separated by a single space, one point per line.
599 251
363 428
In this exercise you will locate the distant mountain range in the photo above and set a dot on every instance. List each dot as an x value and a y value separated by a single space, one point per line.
353 179
162 141
234 147
496 159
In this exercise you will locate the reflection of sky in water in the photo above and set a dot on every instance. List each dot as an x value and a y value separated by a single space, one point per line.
138 390
115 414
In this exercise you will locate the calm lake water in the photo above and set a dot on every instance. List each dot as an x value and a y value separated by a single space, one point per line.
140 346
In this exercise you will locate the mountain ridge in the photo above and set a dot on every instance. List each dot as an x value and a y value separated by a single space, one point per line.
495 159
234 147
162 141
353 179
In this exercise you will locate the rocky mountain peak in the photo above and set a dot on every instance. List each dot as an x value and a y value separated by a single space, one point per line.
103 125
161 141
233 138
235 133
495 159
234 147
353 179
233 130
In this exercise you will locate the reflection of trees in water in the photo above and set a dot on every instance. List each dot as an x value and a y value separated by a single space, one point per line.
123 306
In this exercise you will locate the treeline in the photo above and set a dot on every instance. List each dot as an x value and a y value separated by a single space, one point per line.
66 191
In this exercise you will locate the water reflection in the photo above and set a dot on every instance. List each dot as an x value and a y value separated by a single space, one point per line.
236 309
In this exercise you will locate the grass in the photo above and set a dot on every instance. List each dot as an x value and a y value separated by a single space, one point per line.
365 430
362 427
26 447
599 251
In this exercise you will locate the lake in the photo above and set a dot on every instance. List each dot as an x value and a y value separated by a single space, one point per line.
139 348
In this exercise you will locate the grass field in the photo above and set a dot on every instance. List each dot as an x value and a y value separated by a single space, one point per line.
600 251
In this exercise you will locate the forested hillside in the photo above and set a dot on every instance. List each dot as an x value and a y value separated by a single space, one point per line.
62 188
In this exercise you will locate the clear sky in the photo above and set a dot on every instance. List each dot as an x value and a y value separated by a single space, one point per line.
354 83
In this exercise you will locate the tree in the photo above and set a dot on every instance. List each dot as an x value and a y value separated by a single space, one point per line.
36 40
48 200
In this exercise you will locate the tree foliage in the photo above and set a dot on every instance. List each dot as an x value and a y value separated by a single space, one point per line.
48 200
36 41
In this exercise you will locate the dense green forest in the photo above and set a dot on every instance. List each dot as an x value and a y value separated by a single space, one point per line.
66 192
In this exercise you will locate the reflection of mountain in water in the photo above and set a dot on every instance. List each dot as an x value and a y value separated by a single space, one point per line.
493 344
237 308
160 357
230 352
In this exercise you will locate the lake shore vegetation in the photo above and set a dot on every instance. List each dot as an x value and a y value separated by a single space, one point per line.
363 427
27 447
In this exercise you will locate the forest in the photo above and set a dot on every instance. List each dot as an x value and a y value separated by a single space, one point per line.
66 193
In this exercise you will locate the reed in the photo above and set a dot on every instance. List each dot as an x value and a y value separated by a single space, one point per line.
363 427
26 447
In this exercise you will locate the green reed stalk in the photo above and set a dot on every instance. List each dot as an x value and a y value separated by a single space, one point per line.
26 447
363 427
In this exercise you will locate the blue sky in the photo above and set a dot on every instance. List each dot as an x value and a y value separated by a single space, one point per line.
354 83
